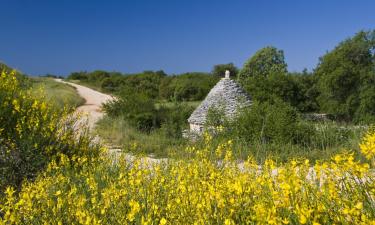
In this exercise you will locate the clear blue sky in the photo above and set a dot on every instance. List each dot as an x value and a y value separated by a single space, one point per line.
59 37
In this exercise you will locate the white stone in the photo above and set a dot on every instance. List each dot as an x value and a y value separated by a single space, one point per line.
227 74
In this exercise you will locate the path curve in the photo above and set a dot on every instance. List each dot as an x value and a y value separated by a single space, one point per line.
92 109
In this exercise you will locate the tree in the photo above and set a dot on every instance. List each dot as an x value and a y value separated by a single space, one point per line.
345 79
83 75
307 92
219 70
266 61
286 87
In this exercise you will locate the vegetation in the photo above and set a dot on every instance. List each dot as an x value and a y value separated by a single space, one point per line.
119 134
340 191
156 85
265 62
274 125
341 85
276 130
265 77
292 171
345 79
219 70
33 133
58 93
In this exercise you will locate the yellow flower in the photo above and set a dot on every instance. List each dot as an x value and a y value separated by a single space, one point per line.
368 145
228 222
163 221
302 219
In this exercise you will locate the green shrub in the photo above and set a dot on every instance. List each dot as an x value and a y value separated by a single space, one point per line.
192 86
266 122
136 108
174 119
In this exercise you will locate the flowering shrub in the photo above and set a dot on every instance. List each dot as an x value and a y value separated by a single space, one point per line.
32 132
198 190
81 187
368 146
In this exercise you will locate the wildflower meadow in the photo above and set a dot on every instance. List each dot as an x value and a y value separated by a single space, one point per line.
206 187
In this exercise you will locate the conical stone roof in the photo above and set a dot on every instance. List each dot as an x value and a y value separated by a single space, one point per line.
226 95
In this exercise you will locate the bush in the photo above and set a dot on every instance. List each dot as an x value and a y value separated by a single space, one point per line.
188 86
33 132
174 119
144 121
198 189
268 122
129 103
136 108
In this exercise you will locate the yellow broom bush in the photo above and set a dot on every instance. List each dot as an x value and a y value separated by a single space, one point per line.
205 188
198 190
33 132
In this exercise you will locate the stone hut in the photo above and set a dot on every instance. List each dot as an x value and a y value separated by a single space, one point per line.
226 95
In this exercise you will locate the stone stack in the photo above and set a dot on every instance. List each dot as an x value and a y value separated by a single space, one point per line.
226 95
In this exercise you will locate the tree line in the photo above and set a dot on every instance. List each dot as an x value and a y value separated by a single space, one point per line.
342 84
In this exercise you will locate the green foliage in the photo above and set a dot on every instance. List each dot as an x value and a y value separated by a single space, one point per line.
267 122
306 92
346 77
135 107
192 86
156 85
298 90
274 129
266 61
147 82
142 112
51 76
175 119
33 132
78 76
186 87
265 78
157 142
219 70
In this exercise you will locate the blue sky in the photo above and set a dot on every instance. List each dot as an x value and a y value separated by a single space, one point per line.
59 37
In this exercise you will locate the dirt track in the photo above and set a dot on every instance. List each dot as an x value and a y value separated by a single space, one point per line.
92 109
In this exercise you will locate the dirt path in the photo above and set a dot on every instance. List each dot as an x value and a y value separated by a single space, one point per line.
92 109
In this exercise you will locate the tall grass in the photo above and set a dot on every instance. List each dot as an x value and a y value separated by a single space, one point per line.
323 140
58 93
329 139
118 133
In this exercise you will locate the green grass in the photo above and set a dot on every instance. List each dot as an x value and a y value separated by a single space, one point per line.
328 139
119 134
331 138
58 93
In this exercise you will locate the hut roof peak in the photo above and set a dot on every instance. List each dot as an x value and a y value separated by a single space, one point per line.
226 94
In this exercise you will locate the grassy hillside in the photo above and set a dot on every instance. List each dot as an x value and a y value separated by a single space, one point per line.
61 94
